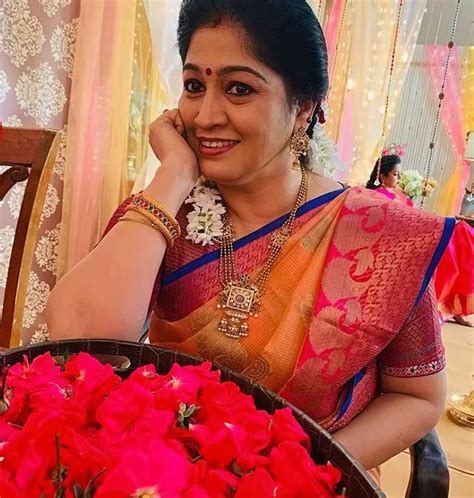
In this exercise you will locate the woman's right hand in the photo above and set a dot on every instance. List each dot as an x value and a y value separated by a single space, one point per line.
179 169
168 141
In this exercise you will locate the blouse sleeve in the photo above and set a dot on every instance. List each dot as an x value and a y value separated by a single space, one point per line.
119 212
417 350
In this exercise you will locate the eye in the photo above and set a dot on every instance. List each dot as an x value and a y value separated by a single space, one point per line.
239 89
193 86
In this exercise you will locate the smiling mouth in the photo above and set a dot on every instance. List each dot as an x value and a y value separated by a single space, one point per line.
215 147
215 144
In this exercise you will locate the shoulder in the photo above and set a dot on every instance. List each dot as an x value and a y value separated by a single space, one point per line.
320 185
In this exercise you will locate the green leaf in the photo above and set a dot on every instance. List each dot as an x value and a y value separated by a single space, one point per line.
4 405
185 413
92 486
78 491
60 493
191 411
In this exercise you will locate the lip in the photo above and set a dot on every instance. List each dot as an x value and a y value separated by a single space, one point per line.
215 151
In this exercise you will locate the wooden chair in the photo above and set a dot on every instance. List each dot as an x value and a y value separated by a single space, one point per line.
429 476
30 153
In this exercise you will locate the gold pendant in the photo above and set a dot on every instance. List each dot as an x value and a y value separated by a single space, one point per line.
239 300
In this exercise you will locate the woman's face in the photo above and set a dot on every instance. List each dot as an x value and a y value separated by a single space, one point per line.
234 108
393 178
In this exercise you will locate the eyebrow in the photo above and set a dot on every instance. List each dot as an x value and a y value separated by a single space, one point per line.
228 70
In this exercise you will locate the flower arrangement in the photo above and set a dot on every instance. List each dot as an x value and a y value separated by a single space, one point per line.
414 185
429 186
77 430
394 150
411 183
205 224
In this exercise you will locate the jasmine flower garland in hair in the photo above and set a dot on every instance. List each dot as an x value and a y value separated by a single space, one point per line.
323 158
322 152
205 220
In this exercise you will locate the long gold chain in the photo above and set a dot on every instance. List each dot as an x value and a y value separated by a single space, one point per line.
240 298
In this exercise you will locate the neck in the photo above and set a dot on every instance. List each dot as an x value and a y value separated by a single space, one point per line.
264 199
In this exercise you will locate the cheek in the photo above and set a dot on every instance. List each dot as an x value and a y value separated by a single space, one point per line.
275 123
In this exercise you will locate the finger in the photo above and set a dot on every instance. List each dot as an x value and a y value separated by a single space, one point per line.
179 123
167 117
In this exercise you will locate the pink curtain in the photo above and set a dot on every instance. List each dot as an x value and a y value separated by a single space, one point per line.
450 116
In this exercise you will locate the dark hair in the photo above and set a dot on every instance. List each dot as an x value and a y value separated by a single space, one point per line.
387 164
283 34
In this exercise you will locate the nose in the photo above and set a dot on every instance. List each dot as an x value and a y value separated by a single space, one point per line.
211 112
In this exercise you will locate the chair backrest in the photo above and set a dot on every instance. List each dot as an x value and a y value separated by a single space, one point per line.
30 155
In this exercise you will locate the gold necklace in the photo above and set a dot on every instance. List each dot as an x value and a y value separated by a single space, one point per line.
240 298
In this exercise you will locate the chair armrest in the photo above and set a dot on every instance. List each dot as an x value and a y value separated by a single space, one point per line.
429 476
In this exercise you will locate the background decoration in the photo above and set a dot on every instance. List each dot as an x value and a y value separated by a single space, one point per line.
102 71
441 94
37 47
360 84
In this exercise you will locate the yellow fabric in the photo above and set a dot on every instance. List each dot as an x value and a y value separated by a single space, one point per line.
114 82
467 90
148 97
338 76
31 241
270 352
446 202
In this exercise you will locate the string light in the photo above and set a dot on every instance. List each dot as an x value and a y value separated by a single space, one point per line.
441 95
336 50
387 100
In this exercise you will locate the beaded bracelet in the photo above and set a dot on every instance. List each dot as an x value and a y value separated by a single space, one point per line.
158 212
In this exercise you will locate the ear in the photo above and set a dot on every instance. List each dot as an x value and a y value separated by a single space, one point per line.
304 113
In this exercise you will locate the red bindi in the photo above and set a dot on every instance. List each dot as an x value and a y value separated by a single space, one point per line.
208 71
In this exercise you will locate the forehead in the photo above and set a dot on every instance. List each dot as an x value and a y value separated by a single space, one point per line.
221 46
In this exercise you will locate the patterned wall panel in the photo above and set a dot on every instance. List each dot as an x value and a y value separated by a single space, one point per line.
37 40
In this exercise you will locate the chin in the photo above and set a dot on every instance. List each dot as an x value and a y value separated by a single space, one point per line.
219 171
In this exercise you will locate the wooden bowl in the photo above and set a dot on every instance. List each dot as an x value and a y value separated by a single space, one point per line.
128 356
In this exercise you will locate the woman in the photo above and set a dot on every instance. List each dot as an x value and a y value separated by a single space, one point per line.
453 279
307 300
385 178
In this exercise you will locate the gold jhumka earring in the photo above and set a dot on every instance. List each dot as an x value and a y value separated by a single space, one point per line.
299 144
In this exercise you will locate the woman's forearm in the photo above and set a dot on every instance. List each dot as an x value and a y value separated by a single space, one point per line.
389 425
107 294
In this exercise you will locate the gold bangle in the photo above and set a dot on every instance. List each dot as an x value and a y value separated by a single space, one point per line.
161 208
154 214
155 222
138 220
158 211
152 224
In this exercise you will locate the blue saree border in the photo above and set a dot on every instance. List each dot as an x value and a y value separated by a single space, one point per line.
347 401
213 255
448 229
